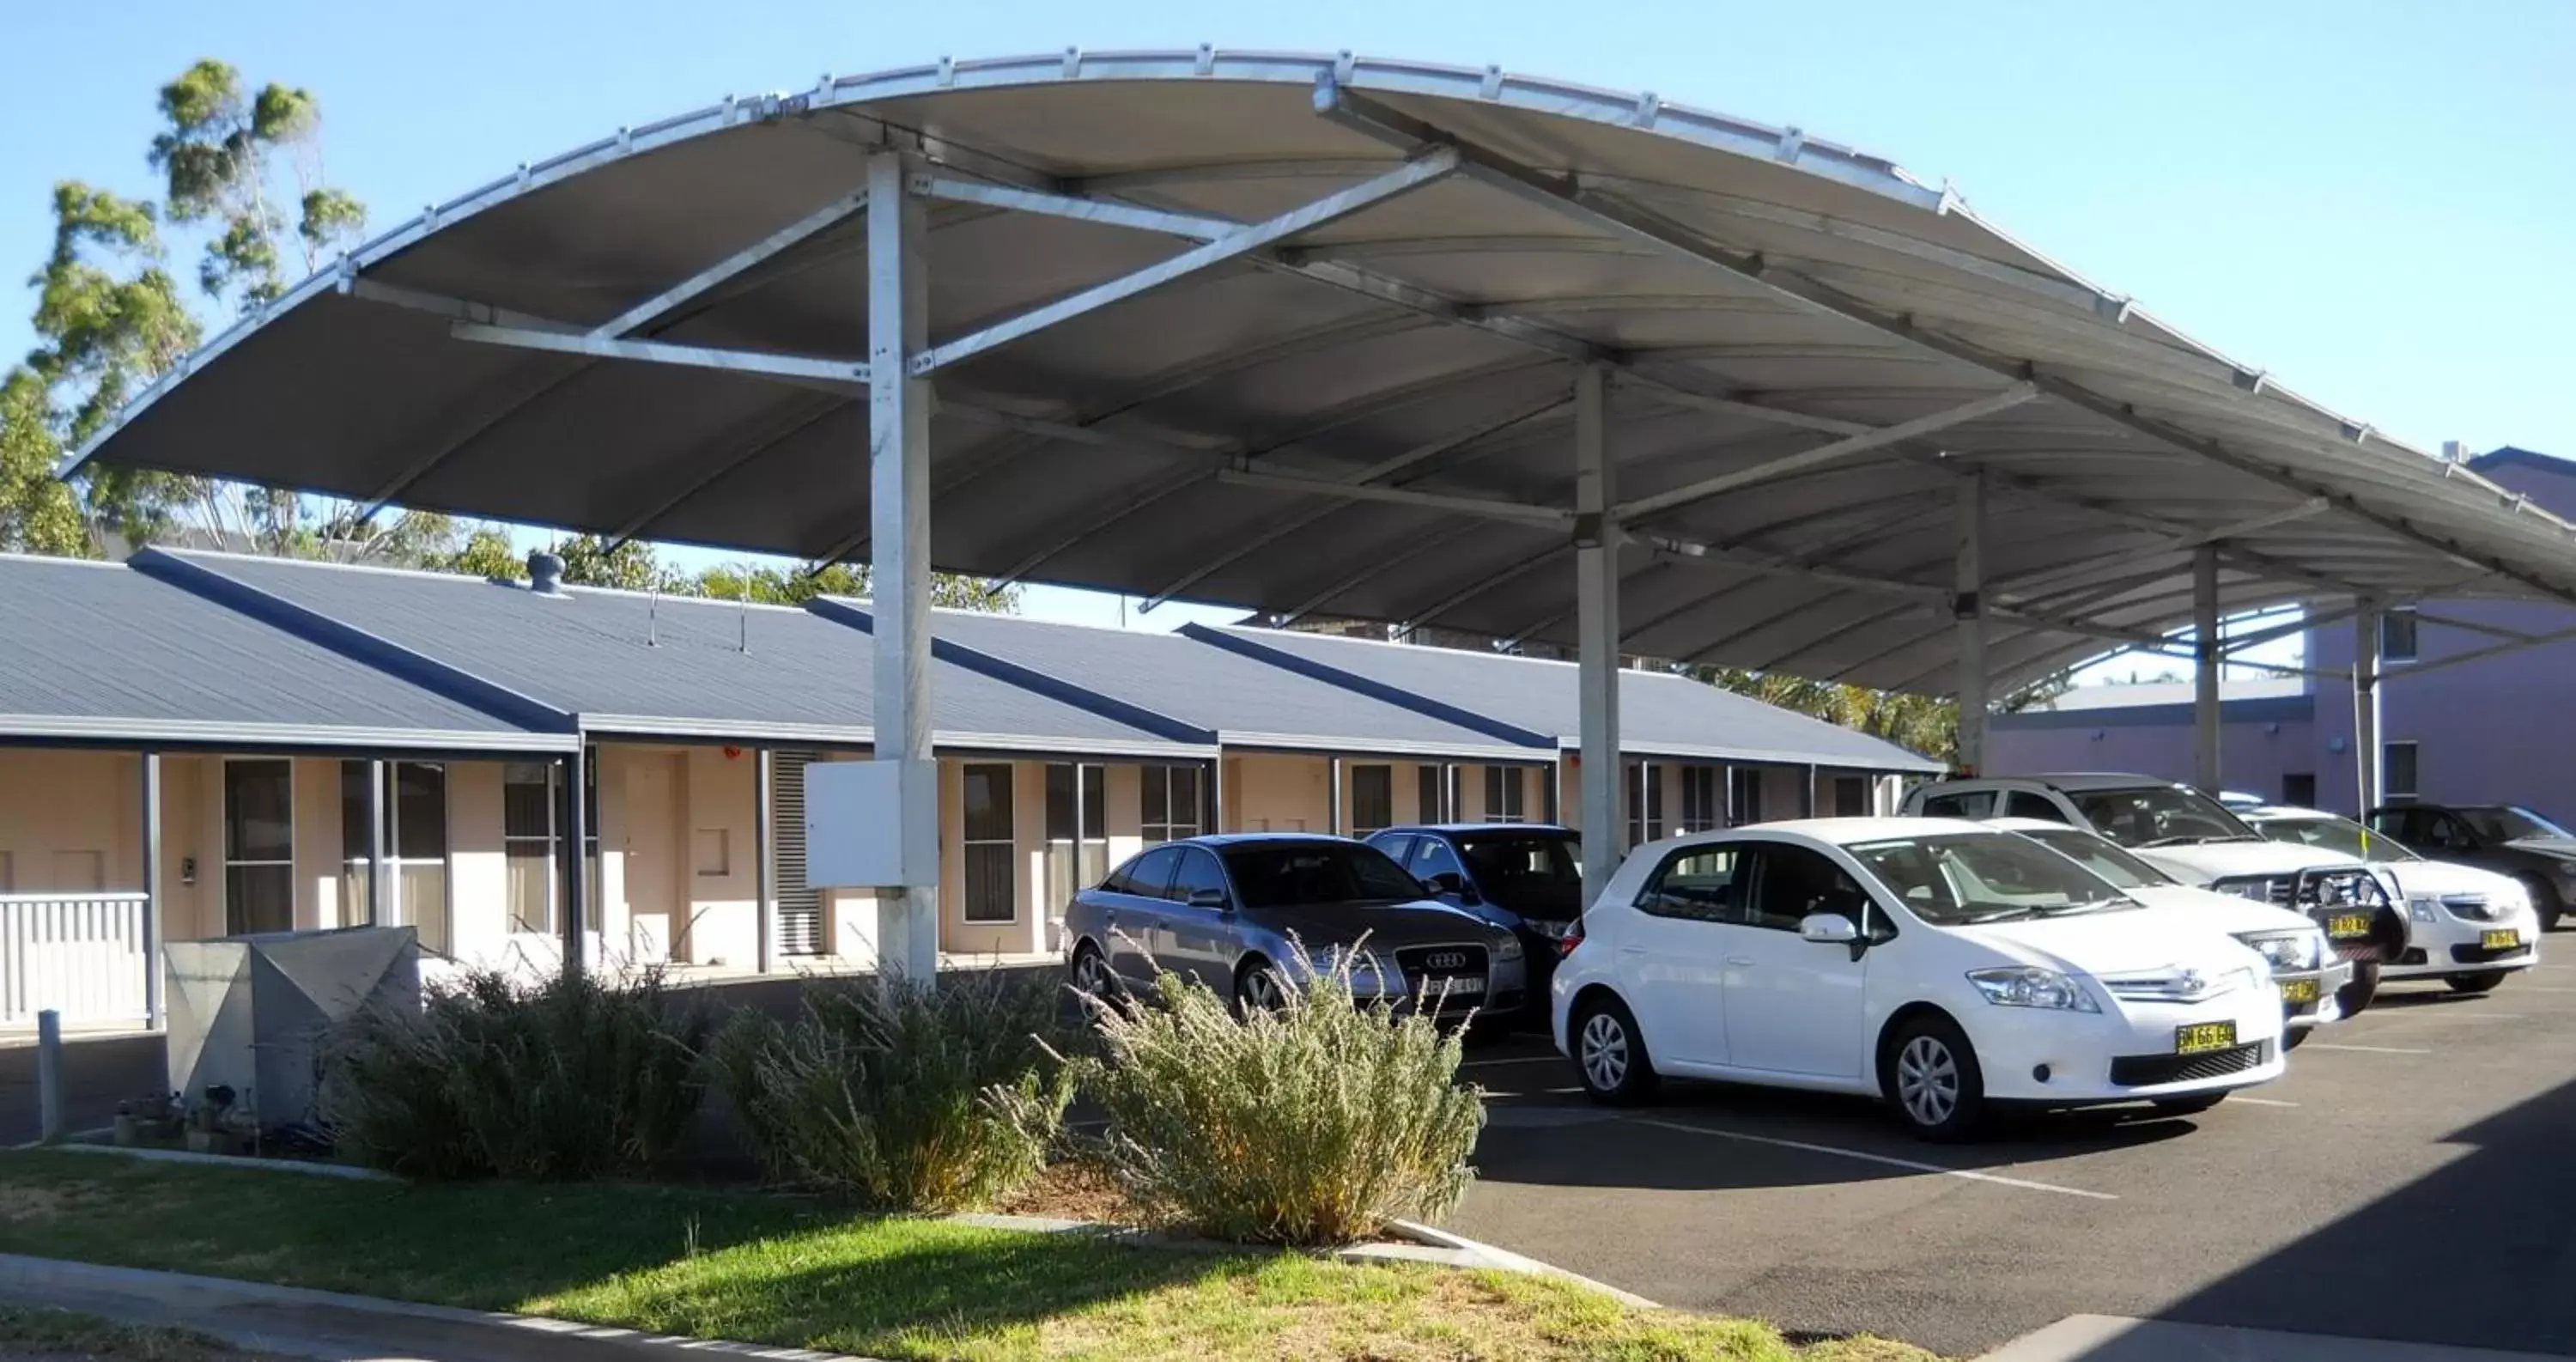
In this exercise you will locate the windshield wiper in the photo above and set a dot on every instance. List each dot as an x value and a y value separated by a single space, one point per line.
2199 839
1999 915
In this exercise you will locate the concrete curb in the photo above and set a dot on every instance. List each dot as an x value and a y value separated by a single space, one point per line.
312 1170
1409 1243
332 1327
2111 1338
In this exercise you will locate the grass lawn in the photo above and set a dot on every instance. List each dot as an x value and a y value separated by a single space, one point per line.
784 1270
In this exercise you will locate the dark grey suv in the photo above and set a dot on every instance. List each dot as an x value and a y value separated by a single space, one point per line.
2505 838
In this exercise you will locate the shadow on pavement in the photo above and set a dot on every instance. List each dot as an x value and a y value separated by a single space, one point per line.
98 1073
2478 1252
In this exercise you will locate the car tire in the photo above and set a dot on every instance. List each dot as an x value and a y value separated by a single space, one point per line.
1610 1053
2544 900
2291 1040
2354 998
2189 1106
1092 975
1258 988
2474 983
1931 1080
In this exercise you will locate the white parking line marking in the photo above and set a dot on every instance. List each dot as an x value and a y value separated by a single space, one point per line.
2541 988
2456 1014
1516 1059
2258 1102
2364 1049
1969 1174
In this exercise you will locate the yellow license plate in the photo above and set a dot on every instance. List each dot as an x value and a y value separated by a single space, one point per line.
2298 990
2203 1037
2343 926
2504 939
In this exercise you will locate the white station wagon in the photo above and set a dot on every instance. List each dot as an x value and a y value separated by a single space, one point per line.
1941 964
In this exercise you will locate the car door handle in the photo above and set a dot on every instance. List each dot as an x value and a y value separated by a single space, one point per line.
1632 950
1741 961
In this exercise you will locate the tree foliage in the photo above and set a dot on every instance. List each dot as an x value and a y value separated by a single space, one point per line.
1919 723
485 551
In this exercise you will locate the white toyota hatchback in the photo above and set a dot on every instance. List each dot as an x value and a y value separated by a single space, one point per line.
1943 965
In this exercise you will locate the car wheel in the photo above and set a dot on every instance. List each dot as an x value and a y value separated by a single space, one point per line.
2189 1106
2355 997
2474 983
1610 1054
1258 988
1091 974
1932 1080
2544 900
2291 1040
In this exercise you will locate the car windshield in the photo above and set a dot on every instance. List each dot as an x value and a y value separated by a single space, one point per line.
1503 862
2159 815
2509 823
1959 879
2123 870
1277 874
2336 834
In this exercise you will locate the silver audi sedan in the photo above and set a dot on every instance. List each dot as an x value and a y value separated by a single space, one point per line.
1246 913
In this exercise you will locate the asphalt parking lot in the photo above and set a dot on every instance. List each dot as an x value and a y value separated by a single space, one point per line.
2413 1178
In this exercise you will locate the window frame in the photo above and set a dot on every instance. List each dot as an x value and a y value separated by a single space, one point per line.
968 843
1382 774
2396 622
1163 779
1506 794
2414 790
234 925
1189 854
1649 899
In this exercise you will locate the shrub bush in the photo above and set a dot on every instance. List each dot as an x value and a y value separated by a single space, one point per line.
1312 1124
563 1078
905 1097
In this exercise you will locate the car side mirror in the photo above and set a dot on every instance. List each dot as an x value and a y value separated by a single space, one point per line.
1828 929
1451 882
1208 898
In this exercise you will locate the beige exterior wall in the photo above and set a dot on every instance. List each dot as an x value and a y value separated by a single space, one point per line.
69 821
1277 792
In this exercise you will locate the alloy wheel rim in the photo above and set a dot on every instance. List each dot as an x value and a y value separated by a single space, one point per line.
1091 976
1927 1080
1262 991
1605 1051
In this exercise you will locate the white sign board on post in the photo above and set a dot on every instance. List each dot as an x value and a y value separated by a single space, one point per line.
872 825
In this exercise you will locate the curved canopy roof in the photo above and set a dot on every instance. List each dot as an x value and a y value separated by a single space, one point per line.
1341 386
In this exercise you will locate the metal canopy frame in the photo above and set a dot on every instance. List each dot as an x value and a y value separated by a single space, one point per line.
1343 390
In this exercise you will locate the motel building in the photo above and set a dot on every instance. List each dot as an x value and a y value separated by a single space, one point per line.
197 745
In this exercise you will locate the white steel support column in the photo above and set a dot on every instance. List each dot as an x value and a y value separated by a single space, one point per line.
575 826
1967 605
1596 615
2366 748
899 544
764 856
1333 797
380 874
2207 771
153 924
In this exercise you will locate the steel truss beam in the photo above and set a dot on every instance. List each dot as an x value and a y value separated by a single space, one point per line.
1843 448
1509 573
1607 213
1104 211
2313 506
1380 471
1420 170
2476 655
1428 544
680 295
754 362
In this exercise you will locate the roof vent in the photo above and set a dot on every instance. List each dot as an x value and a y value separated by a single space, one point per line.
545 572
2455 451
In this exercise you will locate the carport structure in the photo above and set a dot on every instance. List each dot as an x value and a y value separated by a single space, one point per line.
1330 335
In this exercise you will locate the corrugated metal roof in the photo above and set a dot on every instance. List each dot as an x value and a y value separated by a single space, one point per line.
635 663
1660 714
1365 417
1247 703
102 652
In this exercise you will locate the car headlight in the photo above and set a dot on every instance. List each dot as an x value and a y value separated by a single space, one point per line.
2031 986
2295 951
1507 948
1324 960
2422 909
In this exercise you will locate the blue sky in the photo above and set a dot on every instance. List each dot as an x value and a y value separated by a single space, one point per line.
2371 200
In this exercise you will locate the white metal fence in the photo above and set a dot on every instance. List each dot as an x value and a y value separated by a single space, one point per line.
82 955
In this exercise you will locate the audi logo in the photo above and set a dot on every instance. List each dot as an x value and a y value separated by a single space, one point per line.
1445 960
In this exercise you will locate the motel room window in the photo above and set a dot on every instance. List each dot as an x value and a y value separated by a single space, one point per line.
1506 794
1077 820
1372 799
2397 772
1434 794
1171 803
357 882
1703 798
2299 789
415 845
1851 796
2397 635
530 792
992 895
1744 795
259 846
1645 802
